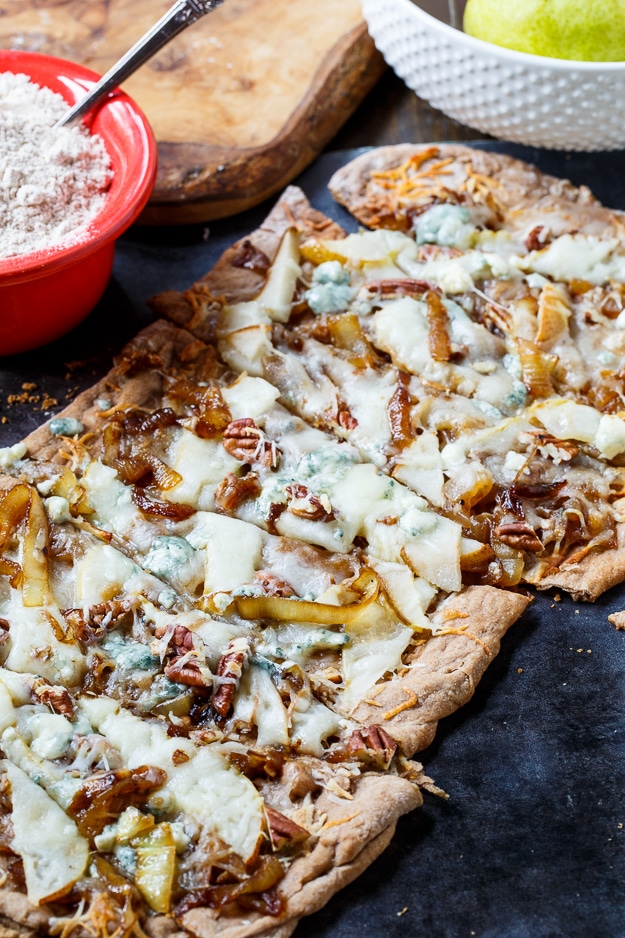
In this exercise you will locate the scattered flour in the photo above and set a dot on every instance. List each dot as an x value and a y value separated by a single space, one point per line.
52 182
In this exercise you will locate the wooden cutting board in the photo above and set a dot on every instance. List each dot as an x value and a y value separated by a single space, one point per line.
240 102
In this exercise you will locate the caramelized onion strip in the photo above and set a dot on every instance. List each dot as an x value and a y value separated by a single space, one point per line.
284 609
438 338
150 506
22 503
13 509
536 368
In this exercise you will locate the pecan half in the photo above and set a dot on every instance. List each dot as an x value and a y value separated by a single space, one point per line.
548 445
180 638
400 286
305 504
344 417
282 830
185 669
372 744
398 411
5 627
519 535
53 695
538 238
247 443
230 669
88 625
275 510
273 585
299 780
233 490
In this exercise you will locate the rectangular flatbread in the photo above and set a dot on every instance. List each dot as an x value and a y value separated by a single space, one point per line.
247 573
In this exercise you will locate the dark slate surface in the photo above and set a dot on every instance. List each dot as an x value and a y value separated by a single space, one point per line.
531 843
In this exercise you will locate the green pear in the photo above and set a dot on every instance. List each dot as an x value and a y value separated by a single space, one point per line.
586 30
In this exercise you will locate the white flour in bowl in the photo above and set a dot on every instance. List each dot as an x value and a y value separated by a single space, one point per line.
53 182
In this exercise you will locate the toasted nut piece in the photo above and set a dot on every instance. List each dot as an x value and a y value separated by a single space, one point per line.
179 756
187 670
519 535
305 504
234 490
398 410
5 627
255 763
247 442
180 640
282 829
230 669
273 585
538 238
372 744
88 625
548 445
344 417
299 780
53 695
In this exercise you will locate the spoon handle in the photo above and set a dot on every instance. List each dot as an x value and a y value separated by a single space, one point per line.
182 14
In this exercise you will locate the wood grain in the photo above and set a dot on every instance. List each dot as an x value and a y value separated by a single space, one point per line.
240 102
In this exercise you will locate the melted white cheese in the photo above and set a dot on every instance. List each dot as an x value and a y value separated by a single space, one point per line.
250 397
311 723
258 701
203 464
34 647
580 257
232 549
101 574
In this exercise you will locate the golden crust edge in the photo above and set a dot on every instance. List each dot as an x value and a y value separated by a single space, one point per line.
353 838
521 186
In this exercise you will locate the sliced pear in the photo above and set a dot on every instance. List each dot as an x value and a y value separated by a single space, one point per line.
54 853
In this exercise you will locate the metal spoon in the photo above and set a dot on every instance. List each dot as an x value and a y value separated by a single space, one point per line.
182 14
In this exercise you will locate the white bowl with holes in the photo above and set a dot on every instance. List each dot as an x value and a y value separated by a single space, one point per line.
555 103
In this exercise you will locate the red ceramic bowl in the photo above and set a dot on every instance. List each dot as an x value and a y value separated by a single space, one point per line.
45 294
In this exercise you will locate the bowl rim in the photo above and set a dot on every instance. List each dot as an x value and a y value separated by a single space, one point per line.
480 46
50 260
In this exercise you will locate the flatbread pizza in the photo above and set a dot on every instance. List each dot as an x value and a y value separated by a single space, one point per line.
179 611
246 574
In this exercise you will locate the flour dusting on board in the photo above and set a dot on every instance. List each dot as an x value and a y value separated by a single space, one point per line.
53 182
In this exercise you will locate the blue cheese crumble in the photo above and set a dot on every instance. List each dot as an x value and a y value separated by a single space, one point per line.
66 426
330 291
448 225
